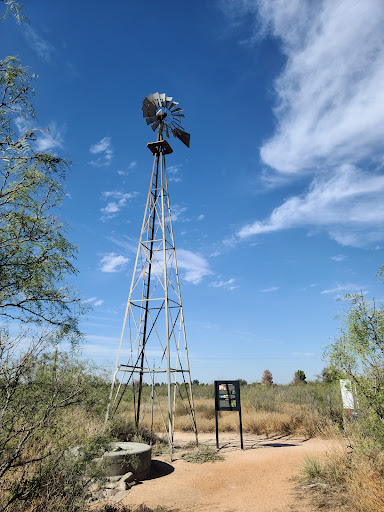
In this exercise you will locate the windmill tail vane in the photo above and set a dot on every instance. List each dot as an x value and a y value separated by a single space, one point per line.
153 324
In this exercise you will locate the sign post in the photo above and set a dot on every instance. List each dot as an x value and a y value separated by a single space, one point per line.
227 398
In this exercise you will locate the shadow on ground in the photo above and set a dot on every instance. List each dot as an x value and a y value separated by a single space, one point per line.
159 469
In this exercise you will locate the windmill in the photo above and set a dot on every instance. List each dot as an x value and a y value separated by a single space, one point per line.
153 326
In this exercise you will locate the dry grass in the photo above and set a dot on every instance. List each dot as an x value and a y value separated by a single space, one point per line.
349 479
291 419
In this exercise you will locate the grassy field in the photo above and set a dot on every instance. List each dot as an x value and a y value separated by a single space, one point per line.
302 410
46 478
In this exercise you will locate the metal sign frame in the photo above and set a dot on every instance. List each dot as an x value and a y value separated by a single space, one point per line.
227 398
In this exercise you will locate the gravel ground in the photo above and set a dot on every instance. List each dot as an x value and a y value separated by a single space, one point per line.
256 479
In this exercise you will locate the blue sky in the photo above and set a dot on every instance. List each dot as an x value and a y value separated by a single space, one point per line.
277 205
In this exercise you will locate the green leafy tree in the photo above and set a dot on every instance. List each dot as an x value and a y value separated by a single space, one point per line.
39 392
12 7
36 258
299 378
328 375
358 355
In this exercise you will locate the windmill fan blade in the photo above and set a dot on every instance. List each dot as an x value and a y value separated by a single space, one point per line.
176 123
162 99
156 98
149 110
149 107
166 131
173 105
178 109
154 126
179 115
168 101
183 136
151 120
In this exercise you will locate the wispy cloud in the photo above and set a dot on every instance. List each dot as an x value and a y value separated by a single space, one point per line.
177 212
348 205
113 207
42 47
50 138
307 287
229 284
105 150
113 262
270 289
329 98
200 217
303 354
195 266
343 289
328 110
338 257
94 301
46 139
131 166
174 174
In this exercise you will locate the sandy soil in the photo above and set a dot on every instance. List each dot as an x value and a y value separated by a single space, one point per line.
256 479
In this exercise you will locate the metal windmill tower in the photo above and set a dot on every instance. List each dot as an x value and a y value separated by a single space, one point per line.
153 327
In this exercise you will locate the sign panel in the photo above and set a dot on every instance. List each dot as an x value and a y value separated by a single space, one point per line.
227 395
346 394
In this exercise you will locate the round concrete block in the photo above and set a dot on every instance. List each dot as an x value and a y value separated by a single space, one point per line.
129 457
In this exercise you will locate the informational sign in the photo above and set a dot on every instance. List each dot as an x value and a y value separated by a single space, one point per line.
227 395
347 395
227 398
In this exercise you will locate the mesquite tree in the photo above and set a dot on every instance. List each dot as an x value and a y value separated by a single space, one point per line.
35 256
358 355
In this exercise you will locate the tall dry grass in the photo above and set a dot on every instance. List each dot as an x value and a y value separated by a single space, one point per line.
350 475
290 419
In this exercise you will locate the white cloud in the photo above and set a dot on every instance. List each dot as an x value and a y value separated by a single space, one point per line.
303 354
215 254
42 47
90 300
47 139
177 212
112 262
331 91
195 266
94 301
105 150
270 289
309 286
173 172
201 217
348 205
338 257
220 284
114 206
131 166
342 289
329 114
50 138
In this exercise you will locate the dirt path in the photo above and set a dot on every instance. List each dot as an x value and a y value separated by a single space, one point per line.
257 479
